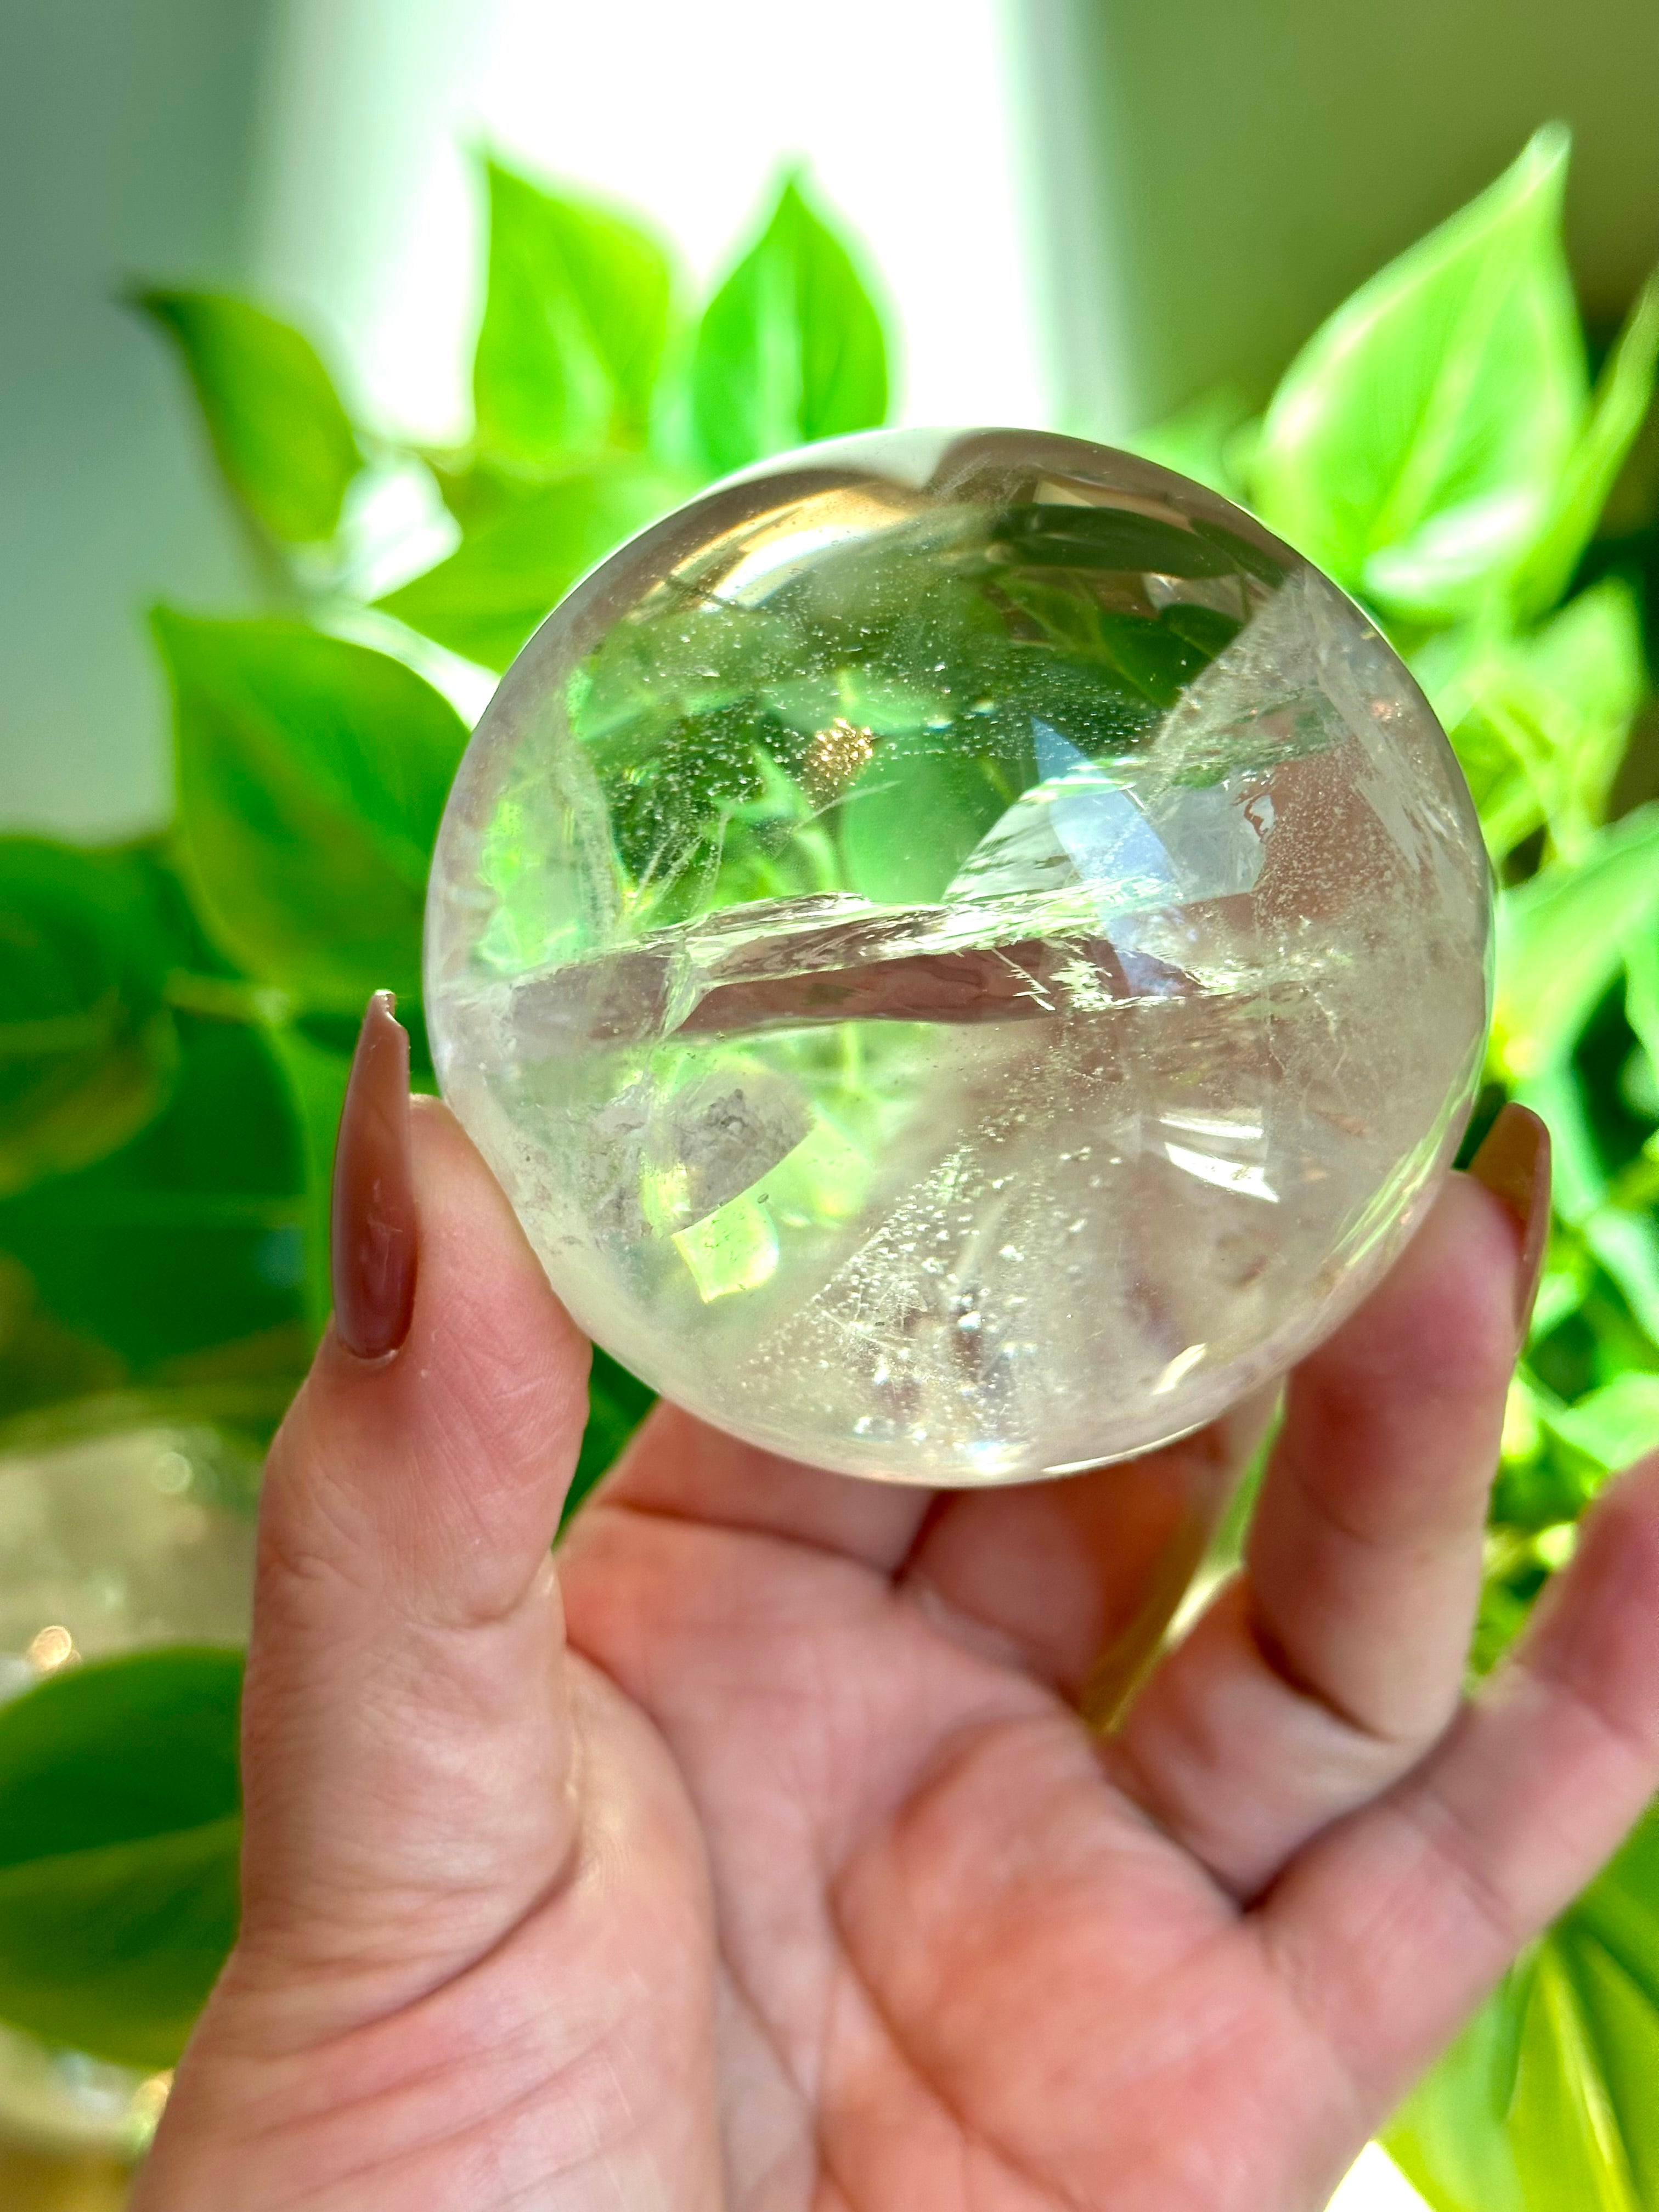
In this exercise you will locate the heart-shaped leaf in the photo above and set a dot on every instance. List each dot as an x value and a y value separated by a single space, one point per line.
119 1823
87 1048
1415 445
278 430
575 319
312 775
790 347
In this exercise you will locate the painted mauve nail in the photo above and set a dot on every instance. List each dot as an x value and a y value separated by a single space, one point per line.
1513 1161
373 1231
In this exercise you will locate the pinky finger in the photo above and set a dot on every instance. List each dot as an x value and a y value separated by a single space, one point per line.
1391 1926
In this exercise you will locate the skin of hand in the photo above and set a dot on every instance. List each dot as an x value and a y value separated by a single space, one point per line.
753 1852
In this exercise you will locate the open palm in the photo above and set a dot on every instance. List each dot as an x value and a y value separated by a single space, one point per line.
754 1851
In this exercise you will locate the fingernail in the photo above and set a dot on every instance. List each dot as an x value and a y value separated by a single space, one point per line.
372 1222
1513 1161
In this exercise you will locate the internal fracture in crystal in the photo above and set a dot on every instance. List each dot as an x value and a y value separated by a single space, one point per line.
965 953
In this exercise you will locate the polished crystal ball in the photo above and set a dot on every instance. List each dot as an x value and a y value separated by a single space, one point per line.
966 954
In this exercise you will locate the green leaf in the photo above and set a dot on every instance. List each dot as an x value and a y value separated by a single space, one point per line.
115 1950
163 1278
190 1238
312 775
484 600
1581 678
1579 1182
279 432
119 1749
1642 989
1207 439
1545 2103
1562 2126
790 347
42 1362
1624 1243
1415 444
317 1078
87 1048
1559 941
1640 1077
1622 400
1447 2138
1540 721
1615 1425
476 490
575 320
119 1837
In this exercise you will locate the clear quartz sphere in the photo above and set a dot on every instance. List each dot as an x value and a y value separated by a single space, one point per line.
966 954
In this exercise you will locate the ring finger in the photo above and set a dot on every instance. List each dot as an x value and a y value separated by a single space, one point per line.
1328 1667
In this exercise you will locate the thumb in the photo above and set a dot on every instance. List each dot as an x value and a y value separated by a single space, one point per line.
407 1736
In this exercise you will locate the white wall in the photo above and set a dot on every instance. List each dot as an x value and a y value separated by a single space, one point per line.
123 153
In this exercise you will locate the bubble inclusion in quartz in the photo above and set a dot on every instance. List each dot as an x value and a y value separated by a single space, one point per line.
965 953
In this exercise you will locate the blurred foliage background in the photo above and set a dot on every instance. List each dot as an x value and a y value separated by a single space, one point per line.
176 1013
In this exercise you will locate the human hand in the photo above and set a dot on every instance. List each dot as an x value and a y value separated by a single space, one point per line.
750 1851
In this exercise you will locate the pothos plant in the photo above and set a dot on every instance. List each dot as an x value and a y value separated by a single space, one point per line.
176 1014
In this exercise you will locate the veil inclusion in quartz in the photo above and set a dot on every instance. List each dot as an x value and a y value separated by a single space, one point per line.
965 953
